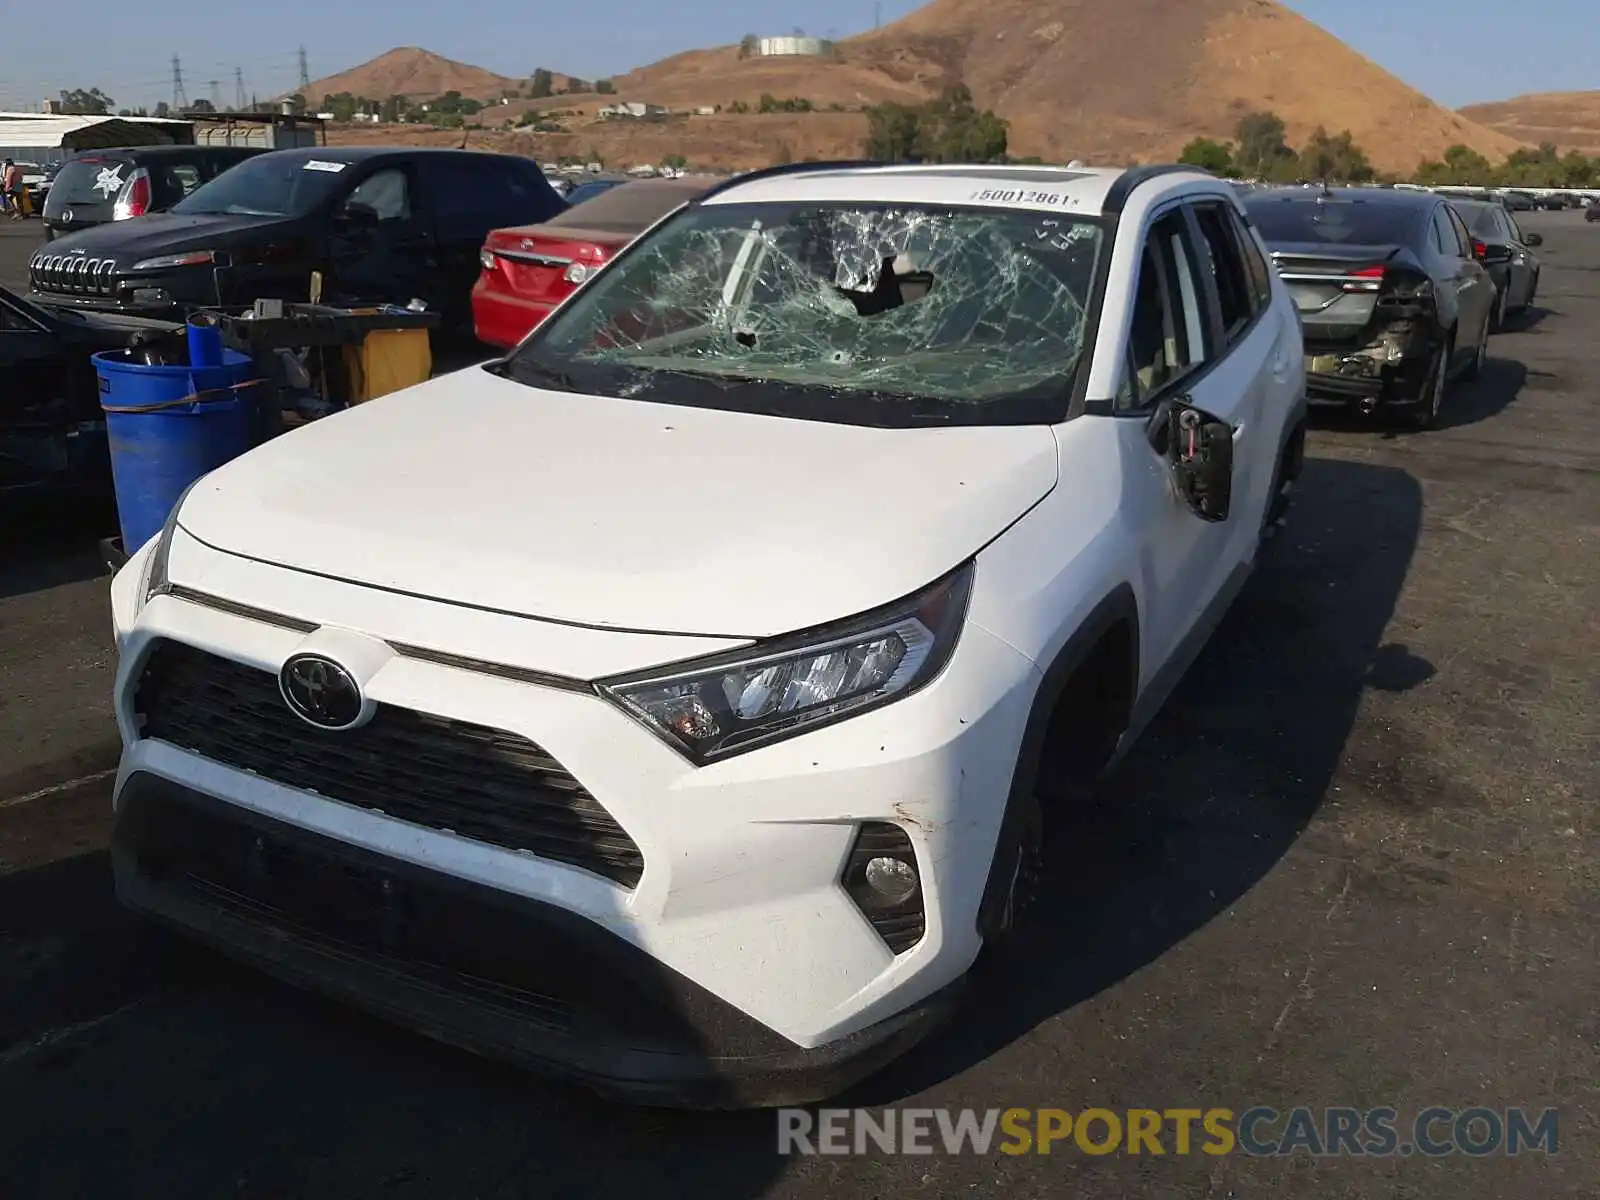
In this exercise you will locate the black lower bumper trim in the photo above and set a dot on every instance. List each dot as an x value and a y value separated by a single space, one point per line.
482 969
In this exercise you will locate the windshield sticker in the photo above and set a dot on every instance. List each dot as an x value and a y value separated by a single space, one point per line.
317 164
108 181
1062 239
1019 196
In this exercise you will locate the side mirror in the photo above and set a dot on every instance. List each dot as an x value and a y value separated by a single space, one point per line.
1199 451
357 216
1533 239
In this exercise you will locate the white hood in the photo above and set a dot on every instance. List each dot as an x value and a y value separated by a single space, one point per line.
618 513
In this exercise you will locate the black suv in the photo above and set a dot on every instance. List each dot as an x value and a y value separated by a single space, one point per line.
381 225
99 186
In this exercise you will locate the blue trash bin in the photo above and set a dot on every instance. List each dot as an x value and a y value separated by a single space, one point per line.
166 427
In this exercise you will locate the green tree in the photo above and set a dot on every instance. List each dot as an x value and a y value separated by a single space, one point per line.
1262 143
162 110
676 161
605 87
948 129
1208 155
1334 157
297 103
541 85
86 103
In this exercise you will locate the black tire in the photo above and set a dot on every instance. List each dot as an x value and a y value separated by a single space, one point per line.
1022 856
1426 414
1283 480
1480 355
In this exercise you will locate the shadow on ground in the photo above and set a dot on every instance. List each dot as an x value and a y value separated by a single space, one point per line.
50 540
1224 780
1468 402
137 1072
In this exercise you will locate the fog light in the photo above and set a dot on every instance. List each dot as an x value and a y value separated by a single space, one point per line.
892 878
880 877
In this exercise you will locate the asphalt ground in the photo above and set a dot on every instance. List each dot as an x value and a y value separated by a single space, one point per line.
1354 863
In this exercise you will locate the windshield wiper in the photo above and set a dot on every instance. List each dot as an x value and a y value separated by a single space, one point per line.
533 374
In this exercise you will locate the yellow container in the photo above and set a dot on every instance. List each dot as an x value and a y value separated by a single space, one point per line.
387 360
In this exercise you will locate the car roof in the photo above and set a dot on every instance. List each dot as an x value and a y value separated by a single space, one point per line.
1377 197
350 155
159 151
1081 190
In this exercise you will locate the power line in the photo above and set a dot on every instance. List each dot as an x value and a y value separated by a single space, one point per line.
180 98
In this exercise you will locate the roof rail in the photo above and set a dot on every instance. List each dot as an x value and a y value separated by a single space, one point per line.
793 169
1122 186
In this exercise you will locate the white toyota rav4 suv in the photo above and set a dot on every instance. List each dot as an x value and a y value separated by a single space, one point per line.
675 704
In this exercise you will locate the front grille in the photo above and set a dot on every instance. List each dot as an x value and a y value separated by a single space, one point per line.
481 783
73 274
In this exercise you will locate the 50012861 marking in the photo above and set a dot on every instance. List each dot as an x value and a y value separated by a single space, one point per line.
1019 196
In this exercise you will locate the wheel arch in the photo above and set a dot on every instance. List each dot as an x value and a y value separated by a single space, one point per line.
1119 608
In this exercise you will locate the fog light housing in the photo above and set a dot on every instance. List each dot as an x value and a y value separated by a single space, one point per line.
881 878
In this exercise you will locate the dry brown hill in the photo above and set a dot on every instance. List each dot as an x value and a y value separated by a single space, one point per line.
1104 80
1569 119
409 71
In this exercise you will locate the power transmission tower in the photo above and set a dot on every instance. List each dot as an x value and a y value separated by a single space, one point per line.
877 16
216 94
305 71
180 98
238 89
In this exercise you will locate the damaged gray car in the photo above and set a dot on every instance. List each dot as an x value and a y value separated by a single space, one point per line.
1395 301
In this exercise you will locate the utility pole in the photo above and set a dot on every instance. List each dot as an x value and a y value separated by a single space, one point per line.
877 16
305 74
238 89
216 94
180 98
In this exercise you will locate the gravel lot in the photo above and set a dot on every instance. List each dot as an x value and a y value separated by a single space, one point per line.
1354 863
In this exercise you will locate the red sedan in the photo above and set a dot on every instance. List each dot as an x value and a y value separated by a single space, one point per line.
530 269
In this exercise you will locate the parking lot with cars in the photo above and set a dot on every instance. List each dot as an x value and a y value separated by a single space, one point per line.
1352 863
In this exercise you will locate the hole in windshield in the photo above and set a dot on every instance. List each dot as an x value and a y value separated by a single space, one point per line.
846 305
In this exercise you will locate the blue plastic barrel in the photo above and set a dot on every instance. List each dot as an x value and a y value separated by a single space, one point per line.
166 427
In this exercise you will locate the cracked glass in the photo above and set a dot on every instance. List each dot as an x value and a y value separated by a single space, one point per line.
834 311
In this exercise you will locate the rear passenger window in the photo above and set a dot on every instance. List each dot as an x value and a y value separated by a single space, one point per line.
475 191
1166 340
1255 263
1220 252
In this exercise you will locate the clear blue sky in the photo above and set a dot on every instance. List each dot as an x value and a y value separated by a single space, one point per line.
1457 51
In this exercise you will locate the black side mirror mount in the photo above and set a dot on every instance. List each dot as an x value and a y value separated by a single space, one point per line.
1199 451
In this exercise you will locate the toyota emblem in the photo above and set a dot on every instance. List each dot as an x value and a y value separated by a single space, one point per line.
320 692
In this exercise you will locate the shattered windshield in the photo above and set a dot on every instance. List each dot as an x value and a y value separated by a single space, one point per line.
856 313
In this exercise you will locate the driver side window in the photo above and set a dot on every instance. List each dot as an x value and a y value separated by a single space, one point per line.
386 193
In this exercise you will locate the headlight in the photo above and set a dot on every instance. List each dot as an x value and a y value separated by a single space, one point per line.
156 581
194 258
724 705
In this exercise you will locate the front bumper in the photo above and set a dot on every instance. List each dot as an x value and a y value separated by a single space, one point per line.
469 965
740 893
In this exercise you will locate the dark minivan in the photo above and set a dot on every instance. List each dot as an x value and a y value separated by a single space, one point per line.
96 187
381 225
